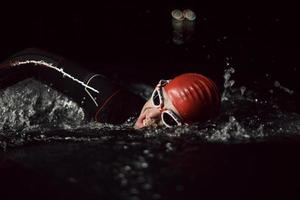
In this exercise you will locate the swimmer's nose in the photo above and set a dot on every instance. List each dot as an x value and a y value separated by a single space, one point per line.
150 117
154 113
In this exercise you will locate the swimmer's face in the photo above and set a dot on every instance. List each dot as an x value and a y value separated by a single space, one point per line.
151 115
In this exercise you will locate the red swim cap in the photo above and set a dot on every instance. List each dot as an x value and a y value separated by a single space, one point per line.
195 97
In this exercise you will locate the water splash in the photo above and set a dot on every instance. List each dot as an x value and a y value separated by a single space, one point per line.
231 129
34 112
228 83
285 89
30 105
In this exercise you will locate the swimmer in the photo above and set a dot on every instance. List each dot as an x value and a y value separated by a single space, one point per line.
186 99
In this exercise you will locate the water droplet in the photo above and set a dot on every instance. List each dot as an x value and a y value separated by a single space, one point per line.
169 146
147 186
146 151
72 180
243 89
127 168
144 165
276 84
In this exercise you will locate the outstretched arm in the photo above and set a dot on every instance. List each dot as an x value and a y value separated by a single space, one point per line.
100 98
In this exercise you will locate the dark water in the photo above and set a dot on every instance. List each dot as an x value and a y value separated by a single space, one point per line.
245 152
250 151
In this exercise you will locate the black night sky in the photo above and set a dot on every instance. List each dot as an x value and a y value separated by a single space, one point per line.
132 40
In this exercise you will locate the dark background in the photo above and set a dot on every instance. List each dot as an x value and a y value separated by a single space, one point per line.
132 40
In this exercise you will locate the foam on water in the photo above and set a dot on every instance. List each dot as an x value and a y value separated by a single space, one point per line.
30 105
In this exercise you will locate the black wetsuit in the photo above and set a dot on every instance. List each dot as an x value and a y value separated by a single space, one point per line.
101 99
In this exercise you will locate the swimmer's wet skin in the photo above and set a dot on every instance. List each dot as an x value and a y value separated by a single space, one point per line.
186 99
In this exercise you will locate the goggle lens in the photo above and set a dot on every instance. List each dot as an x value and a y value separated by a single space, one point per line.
168 120
156 98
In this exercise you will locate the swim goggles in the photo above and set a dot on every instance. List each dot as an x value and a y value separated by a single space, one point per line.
168 117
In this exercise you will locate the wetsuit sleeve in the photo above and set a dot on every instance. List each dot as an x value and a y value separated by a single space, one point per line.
101 99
